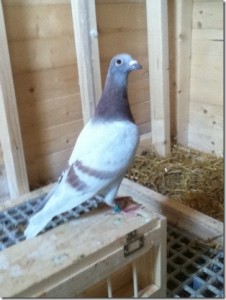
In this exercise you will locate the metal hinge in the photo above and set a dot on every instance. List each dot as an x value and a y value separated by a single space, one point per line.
134 242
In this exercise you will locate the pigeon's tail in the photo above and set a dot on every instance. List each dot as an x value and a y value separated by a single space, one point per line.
36 224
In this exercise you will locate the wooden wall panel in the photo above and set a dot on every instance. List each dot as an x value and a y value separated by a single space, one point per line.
122 27
43 57
206 80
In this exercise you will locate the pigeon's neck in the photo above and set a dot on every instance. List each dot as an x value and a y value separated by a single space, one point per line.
113 104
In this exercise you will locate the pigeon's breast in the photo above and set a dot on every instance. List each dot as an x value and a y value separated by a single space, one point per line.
107 144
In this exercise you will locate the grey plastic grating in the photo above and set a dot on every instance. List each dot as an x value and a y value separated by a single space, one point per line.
193 269
14 221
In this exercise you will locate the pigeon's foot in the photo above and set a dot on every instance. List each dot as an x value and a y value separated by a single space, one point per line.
117 208
127 206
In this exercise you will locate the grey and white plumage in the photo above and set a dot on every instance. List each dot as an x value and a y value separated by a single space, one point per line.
103 151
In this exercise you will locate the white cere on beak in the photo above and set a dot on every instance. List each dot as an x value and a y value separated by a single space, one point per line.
132 62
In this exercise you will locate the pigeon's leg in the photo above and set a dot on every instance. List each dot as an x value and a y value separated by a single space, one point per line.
111 193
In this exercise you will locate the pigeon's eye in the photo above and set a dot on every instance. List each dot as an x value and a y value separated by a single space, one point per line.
118 62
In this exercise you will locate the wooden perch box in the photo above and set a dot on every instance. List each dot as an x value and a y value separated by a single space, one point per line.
101 253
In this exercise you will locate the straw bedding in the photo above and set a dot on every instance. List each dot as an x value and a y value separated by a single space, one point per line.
190 176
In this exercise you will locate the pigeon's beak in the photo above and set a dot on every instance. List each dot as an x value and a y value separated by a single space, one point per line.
134 65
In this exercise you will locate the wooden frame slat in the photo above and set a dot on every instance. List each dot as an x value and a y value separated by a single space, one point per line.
87 50
157 29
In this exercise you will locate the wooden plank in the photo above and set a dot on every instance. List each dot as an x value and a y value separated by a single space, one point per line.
157 22
145 128
205 142
181 216
33 2
56 2
210 48
207 68
145 143
141 112
43 21
123 42
206 118
50 113
52 139
183 63
138 91
120 1
118 17
38 54
45 85
11 140
41 173
118 280
207 91
208 15
87 49
208 34
54 272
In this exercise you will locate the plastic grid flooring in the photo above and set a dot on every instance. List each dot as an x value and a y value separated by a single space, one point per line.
193 269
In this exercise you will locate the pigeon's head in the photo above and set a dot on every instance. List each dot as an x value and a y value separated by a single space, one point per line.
120 66
123 64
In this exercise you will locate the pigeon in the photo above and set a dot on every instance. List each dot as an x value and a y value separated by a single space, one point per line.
102 153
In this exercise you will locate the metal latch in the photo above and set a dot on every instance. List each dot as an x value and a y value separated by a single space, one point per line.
134 242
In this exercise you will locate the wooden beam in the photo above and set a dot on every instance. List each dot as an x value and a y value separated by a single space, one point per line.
87 49
183 63
10 134
181 216
157 29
